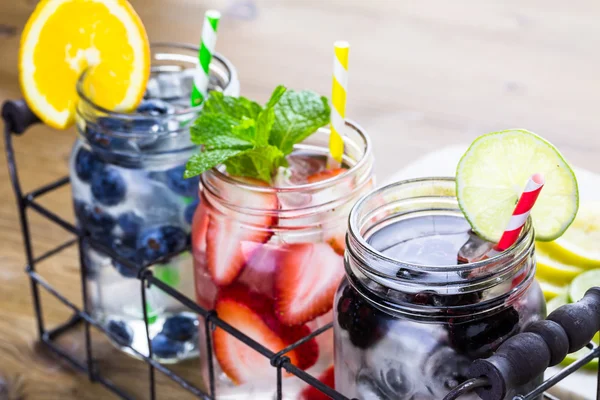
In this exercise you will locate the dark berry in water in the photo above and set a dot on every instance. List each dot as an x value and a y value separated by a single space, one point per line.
121 333
155 243
108 186
481 337
190 210
177 183
365 324
154 107
163 347
86 163
180 328
102 134
94 219
126 250
130 223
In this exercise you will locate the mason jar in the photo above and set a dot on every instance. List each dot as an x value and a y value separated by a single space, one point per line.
129 194
268 259
408 319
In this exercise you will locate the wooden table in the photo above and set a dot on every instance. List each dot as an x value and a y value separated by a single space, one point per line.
423 74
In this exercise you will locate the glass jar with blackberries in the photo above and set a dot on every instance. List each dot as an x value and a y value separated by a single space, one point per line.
130 197
409 318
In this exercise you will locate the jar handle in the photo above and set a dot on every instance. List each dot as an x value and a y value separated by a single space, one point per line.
543 344
18 116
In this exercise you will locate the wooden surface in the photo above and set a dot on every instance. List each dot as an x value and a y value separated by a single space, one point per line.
423 74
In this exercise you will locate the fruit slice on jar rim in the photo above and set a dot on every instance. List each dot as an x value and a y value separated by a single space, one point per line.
63 38
491 176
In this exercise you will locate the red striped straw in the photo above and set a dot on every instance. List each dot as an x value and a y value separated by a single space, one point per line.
519 216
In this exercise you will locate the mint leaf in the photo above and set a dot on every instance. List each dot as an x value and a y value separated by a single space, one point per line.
259 163
246 130
297 116
235 107
266 118
208 159
219 131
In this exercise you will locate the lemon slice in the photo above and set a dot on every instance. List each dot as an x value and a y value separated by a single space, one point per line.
579 244
491 176
551 290
62 38
551 269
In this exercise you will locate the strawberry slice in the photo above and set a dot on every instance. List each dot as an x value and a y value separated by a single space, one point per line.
306 279
312 393
327 174
199 227
226 233
252 314
307 353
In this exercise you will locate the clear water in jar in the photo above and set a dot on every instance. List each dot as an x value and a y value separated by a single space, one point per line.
384 356
141 207
247 265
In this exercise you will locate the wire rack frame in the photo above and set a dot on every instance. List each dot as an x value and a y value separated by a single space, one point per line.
17 119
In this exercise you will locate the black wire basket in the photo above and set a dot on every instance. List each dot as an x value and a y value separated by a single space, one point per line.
17 119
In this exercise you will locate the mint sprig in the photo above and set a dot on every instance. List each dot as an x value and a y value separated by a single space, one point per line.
251 140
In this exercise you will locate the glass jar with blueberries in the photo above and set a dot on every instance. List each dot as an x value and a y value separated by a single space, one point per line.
129 194
409 318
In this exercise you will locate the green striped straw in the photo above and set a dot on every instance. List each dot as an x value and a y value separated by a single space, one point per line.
207 48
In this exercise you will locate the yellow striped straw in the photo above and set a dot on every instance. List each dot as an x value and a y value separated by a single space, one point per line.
338 99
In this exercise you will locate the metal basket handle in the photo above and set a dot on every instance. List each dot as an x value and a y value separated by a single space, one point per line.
527 355
18 116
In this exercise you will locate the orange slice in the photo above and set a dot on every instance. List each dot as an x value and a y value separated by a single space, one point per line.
63 38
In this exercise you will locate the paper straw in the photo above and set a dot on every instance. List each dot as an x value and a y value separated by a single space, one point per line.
338 99
521 212
205 54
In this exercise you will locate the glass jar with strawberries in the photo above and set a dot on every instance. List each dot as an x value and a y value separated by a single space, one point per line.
269 235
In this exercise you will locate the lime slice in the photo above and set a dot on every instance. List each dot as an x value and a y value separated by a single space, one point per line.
491 176
556 302
582 283
552 290
579 244
551 269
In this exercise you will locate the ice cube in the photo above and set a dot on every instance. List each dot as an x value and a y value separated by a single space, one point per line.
152 88
170 86
474 249
303 165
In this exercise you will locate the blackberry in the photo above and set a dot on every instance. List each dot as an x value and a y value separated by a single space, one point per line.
365 324
480 338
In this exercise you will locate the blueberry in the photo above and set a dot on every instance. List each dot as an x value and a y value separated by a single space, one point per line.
108 186
86 163
127 251
122 333
94 219
154 107
163 347
158 242
364 323
177 183
102 135
190 210
130 223
180 328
